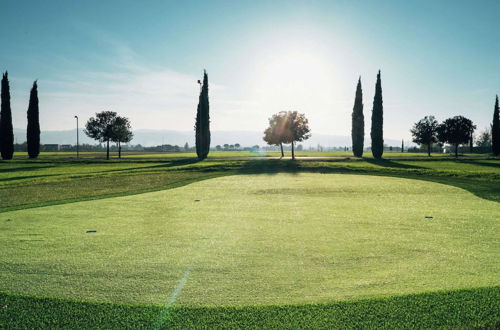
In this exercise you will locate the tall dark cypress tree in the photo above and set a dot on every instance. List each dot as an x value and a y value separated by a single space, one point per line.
377 133
6 130
358 123
202 126
33 130
495 130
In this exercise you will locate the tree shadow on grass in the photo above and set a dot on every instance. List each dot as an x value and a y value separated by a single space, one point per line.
27 177
480 163
23 169
390 163
269 166
168 164
486 189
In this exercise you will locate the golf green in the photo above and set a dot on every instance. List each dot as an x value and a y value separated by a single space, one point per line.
256 239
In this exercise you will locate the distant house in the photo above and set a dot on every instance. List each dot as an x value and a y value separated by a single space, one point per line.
65 147
51 147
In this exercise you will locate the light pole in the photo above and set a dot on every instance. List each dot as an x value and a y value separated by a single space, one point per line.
77 142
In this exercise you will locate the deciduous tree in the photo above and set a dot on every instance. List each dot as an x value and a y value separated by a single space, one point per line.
455 131
274 133
298 128
287 127
100 128
121 132
425 132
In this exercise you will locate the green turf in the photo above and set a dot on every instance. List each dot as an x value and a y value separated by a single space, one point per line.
34 183
256 239
473 308
57 179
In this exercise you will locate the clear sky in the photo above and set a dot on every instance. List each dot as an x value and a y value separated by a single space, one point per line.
143 58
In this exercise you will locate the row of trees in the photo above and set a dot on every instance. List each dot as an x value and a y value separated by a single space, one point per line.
377 122
6 129
105 127
291 126
455 131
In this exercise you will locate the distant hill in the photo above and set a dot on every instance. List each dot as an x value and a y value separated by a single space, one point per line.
150 137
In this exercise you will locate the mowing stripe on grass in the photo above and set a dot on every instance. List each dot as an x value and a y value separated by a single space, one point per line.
171 300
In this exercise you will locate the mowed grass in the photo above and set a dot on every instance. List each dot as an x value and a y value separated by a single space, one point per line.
48 181
256 240
472 308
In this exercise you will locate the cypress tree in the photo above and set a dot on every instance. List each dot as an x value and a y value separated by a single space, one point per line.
495 130
377 133
6 130
358 123
202 126
33 130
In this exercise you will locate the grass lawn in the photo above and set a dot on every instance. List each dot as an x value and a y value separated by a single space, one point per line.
256 239
304 244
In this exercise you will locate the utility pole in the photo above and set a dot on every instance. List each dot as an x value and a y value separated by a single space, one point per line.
77 141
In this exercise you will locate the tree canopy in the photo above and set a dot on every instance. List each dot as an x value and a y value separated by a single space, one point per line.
121 132
457 130
425 132
274 133
100 128
287 127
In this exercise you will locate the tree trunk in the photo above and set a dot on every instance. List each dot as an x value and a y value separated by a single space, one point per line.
282 154
119 150
429 149
107 149
293 152
456 150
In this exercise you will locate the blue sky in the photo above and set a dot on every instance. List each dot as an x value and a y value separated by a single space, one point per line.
142 59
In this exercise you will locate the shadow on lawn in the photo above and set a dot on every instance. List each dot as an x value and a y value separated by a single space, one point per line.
390 163
486 189
166 164
480 163
24 169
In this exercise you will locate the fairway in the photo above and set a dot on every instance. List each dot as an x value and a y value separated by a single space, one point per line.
256 240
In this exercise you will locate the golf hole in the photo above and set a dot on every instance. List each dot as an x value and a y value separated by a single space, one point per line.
429 217
91 231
